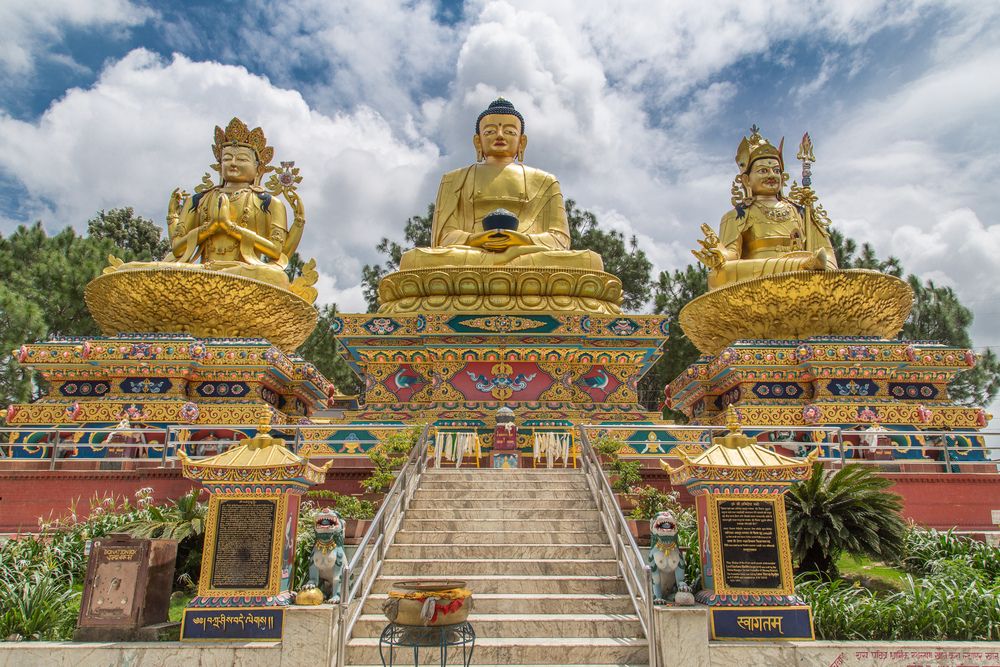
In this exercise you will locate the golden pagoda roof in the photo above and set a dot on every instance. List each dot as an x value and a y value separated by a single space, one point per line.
736 457
258 459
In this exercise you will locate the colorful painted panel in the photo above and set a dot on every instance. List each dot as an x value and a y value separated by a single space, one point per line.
598 383
485 381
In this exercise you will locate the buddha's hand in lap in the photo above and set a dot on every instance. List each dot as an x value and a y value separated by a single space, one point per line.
498 240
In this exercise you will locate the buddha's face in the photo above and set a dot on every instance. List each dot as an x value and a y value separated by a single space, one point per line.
500 136
764 177
239 164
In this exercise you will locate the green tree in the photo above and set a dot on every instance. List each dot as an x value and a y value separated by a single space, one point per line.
133 233
625 260
416 234
843 511
21 321
322 350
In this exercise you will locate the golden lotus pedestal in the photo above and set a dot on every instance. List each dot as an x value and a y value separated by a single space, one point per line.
205 304
490 288
797 305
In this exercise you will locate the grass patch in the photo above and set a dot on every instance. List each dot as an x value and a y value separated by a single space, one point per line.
178 601
871 574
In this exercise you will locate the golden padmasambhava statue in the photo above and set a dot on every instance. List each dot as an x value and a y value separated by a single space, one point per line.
230 244
765 233
772 270
496 216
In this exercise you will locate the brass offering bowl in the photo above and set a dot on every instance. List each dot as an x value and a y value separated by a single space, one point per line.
410 602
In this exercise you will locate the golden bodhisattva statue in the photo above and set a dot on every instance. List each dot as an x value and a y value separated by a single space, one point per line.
230 244
525 255
499 179
773 272
765 234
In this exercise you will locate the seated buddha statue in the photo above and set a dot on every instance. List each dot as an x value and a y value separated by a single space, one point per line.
237 226
765 234
500 180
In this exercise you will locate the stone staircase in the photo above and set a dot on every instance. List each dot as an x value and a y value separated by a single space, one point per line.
545 584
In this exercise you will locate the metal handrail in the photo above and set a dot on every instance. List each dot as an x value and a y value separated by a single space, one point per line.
379 536
637 574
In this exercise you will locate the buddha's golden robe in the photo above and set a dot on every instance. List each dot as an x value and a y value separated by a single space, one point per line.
769 241
467 195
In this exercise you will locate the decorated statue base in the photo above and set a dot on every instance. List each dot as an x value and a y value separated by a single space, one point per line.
193 300
249 557
156 380
747 577
849 382
456 370
797 304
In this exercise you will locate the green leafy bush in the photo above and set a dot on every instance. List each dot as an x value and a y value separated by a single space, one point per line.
652 501
348 507
928 609
924 549
625 475
844 511
40 605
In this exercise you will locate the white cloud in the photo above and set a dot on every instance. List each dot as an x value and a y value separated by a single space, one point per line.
30 27
145 127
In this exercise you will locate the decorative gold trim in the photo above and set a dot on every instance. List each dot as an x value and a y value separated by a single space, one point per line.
781 535
277 546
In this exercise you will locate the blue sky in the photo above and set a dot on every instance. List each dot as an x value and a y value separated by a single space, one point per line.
637 107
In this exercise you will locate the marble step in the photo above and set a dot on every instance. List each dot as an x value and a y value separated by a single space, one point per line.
500 485
520 584
412 568
528 625
512 495
489 514
533 603
546 502
575 538
519 526
489 474
510 551
516 651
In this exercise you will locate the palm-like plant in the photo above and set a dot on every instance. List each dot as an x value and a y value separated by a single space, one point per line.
184 521
844 511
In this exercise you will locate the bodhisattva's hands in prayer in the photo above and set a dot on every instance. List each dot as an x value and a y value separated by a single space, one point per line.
498 240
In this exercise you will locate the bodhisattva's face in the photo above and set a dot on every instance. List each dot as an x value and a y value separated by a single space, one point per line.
239 165
500 136
764 177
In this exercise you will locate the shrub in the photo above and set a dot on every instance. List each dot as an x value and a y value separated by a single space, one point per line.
652 501
923 547
626 475
40 605
846 511
348 507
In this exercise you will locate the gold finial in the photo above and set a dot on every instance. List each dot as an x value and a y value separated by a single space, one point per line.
735 438
806 149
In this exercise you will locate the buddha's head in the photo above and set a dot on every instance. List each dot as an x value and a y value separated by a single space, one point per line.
500 132
762 167
242 154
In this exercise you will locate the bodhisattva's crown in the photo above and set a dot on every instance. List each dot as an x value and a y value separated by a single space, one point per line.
755 147
238 134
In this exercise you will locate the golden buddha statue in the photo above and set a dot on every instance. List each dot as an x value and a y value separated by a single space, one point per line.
230 243
499 179
765 233
772 270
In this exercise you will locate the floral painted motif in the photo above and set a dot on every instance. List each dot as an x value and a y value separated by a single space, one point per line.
623 327
189 412
381 326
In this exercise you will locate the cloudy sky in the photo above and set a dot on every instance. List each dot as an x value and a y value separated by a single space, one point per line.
637 107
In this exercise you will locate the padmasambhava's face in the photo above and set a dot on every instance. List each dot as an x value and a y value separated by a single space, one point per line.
239 164
500 136
764 177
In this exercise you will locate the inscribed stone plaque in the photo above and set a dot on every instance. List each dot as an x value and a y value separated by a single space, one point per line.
243 544
749 540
